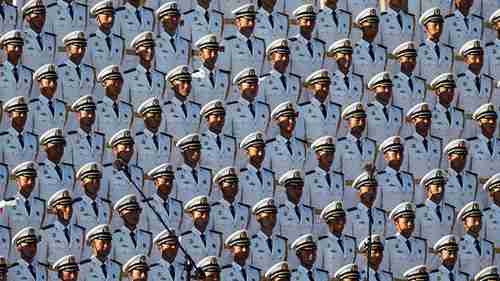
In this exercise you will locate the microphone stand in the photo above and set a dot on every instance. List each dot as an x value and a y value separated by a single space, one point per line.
190 264
369 254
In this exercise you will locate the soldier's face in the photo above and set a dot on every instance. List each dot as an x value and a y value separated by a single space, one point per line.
192 156
330 3
101 248
445 95
138 275
376 256
267 220
215 122
47 87
435 192
27 251
357 124
131 217
344 61
383 94
407 63
307 257
495 195
463 5
91 185
474 62
64 212
256 154
168 251
113 86
405 225
245 25
472 224
3 275
203 3
163 185
209 56
36 21
306 25
434 29
286 124
393 158
497 27
229 190
457 161
395 4
182 88
75 53
325 158
86 118
123 151
422 124
200 219
336 225
145 53
367 194
152 120
280 61
25 184
370 30
240 252
212 276
68 275
488 126
321 90
269 3
294 192
448 257
18 119
13 52
54 151
105 21
249 90
170 22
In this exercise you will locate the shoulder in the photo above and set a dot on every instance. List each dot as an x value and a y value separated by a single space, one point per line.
304 103
281 237
46 227
271 140
229 38
188 12
85 261
146 232
186 233
148 9
352 209
319 41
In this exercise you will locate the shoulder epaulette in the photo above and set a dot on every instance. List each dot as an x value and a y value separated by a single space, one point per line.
188 12
264 103
145 231
420 205
310 172
282 237
147 199
448 16
67 164
81 4
205 168
39 199
301 140
294 270
381 172
383 13
62 65
471 139
232 102
119 36
106 200
380 209
107 165
322 237
304 103
4 227
117 262
449 46
489 77
270 140
344 11
420 238
461 75
139 133
216 232
265 75
293 39
148 9
254 236
350 237
489 44
449 205
409 137
458 109
398 107
218 12
382 46
372 140
307 206
3 133
319 40
472 173
60 100
25 67
225 71
230 37
342 138
79 226
422 44
244 205
186 232
268 170
434 271
129 70
117 230
175 200
215 204
390 238
258 38
88 65
92 35
486 209
283 14
85 261
51 5
281 205
321 270
488 241
226 266
357 74
47 226
477 16
72 132
465 274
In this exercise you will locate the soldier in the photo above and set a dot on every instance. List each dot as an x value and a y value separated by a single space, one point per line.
491 48
91 208
461 184
306 249
369 58
209 80
210 268
307 52
5 238
364 215
105 46
434 57
99 266
417 273
336 248
171 48
395 185
462 25
63 17
218 149
85 143
144 80
54 173
357 6
202 20
169 266
492 213
347 87
396 25
183 115
487 273
270 23
192 179
121 176
113 113
162 201
152 144
25 208
243 49
384 119
325 184
403 250
279 85
19 143
320 116
229 214
449 121
17 79
354 150
447 251
475 252
475 87
76 78
268 247
372 249
40 46
238 244
294 217
278 272
423 150
9 17
62 237
434 217
27 266
247 115
442 5
348 272
333 22
287 150
409 89
256 180
200 241
67 268
48 109
136 268
484 153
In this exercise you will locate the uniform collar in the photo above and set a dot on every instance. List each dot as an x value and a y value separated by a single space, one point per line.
10 66
156 197
264 236
469 238
43 99
64 3
392 12
69 62
473 75
214 135
317 103
206 70
342 75
289 204
51 165
128 231
201 9
227 204
335 237
329 10
243 37
282 139
278 74
83 133
439 107
101 34
22 198
495 207
266 13
245 102
431 43
304 270
363 208
178 102
238 267
391 170
188 168
303 39
150 134
460 15
320 171
486 140
363 43
403 76
167 36
430 204
141 68
420 138
132 9
165 263
252 168
443 269
88 199
350 137
197 232
454 173
59 226
13 132
99 262
401 237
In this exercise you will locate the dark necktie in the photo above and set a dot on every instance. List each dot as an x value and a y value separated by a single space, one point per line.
155 141
148 76
271 20
437 51
21 140
172 42
289 147
250 46
89 140
360 147
370 217
400 179
370 52
346 82
195 175
51 107
310 48
477 246
59 171
283 81
297 211
490 146
40 41
377 277
328 179
66 234
171 268
31 268
108 42
334 17
259 176
270 244
207 16
341 244
16 73
310 275
252 109
94 207
400 20
478 83
460 180
27 205
184 110
386 114
132 236
438 212
78 72
323 110
217 140
410 83
232 210
408 245
115 109
425 144
451 277
466 21
244 273
203 239
138 16
104 270
166 207
448 116
70 10
212 80
2 12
